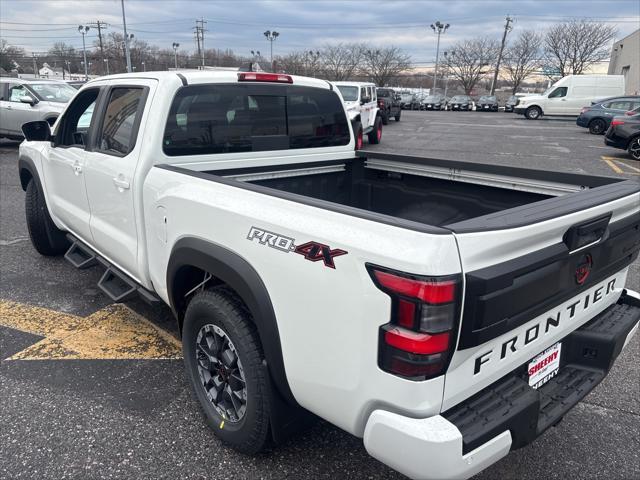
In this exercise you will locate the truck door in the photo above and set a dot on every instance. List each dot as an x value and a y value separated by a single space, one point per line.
64 165
111 166
556 101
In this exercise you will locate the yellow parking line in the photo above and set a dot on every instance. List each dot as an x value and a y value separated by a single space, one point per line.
115 332
613 166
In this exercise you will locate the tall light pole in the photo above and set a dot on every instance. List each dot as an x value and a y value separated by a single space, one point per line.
126 38
175 54
438 28
271 36
106 61
83 29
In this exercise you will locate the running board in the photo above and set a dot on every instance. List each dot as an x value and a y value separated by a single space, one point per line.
118 286
80 257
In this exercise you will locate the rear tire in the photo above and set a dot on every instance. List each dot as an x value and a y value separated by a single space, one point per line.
358 135
533 113
45 237
597 126
385 118
634 148
221 346
375 135
397 117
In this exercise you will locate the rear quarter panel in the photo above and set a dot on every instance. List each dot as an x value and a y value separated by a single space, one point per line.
328 319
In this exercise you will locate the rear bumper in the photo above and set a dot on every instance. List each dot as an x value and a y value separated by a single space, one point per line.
582 122
508 414
615 142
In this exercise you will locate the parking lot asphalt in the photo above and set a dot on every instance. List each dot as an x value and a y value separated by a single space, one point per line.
94 390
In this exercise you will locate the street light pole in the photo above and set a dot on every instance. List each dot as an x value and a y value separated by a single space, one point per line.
438 28
83 29
126 38
106 61
271 36
175 54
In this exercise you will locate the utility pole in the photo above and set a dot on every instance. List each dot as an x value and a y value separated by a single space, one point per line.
100 26
126 38
200 38
507 29
438 28
83 29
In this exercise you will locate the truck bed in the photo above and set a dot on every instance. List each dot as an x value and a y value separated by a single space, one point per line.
414 191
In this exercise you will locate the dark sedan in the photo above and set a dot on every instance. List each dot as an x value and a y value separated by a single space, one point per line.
435 102
597 117
487 103
511 103
624 133
461 102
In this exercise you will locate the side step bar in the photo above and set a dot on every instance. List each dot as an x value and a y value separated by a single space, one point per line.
118 286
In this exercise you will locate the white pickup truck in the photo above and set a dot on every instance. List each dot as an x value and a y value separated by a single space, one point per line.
445 312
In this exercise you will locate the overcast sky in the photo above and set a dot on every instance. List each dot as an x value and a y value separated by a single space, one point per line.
238 25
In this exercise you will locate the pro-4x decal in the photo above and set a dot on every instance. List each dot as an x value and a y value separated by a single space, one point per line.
312 251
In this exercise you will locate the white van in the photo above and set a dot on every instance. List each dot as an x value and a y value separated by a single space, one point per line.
568 95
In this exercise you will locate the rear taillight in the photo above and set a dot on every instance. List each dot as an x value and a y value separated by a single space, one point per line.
630 113
264 77
417 342
617 121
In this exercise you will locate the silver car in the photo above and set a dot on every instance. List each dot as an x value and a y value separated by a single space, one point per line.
23 101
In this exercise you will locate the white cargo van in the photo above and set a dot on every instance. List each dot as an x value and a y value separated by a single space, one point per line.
568 95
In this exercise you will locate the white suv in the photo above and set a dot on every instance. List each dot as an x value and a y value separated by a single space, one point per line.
23 101
362 107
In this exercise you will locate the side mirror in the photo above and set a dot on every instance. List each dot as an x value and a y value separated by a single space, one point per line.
38 131
28 99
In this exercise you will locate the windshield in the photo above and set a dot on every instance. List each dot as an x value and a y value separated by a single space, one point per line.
487 98
384 92
52 92
460 98
512 98
350 94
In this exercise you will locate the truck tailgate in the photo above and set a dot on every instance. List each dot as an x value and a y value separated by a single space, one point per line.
534 276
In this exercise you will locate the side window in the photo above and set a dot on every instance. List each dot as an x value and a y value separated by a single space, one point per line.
16 92
559 92
619 105
118 131
75 125
363 93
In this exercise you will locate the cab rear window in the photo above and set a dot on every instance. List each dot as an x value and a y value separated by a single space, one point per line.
206 119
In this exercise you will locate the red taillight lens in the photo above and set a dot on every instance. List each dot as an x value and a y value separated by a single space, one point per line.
417 342
430 291
264 77
631 112
616 121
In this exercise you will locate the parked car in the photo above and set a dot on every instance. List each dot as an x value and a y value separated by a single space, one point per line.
597 117
406 100
435 102
461 102
624 133
388 104
487 103
512 101
568 95
361 102
23 101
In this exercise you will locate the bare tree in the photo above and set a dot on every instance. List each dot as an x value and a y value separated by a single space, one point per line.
470 60
573 46
9 55
382 65
522 57
341 61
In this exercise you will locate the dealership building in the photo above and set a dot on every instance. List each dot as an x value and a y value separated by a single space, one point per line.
625 60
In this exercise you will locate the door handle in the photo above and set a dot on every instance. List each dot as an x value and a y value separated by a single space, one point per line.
77 169
121 183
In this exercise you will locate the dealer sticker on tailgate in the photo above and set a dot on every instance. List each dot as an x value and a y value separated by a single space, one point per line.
545 366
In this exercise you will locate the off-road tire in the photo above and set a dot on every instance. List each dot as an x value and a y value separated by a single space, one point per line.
221 308
358 134
385 118
45 237
375 135
397 117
